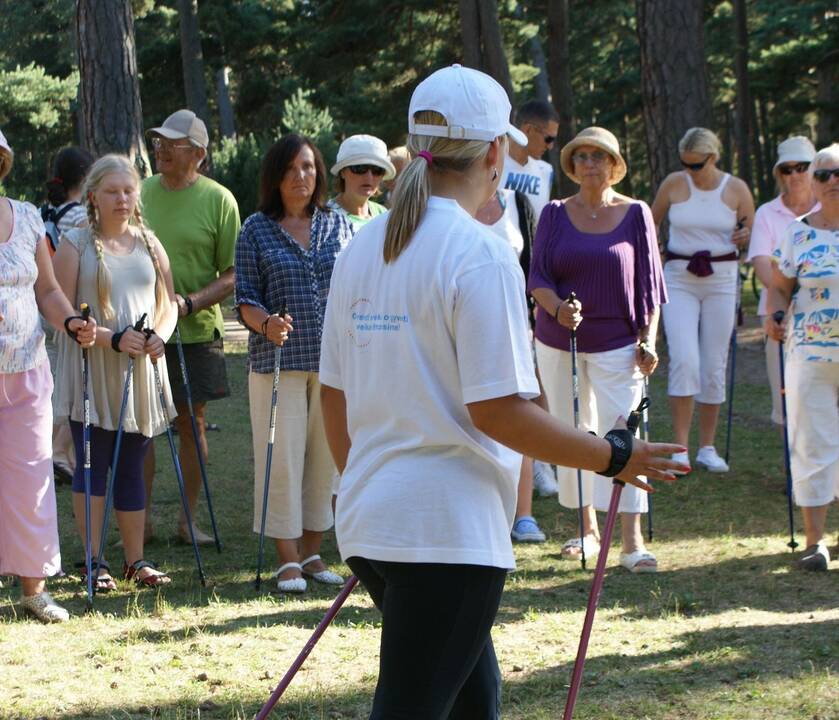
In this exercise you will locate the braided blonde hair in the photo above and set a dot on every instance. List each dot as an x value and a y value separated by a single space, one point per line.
108 165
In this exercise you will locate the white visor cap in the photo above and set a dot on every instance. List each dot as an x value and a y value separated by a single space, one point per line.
475 106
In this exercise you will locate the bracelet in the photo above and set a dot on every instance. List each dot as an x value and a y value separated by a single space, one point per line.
556 312
265 325
188 303
115 338
621 443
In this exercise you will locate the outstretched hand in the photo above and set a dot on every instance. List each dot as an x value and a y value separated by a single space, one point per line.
650 459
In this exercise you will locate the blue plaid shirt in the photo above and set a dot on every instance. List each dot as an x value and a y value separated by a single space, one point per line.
273 271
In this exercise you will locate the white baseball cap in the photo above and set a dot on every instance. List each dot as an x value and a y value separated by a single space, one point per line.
475 106
364 150
795 149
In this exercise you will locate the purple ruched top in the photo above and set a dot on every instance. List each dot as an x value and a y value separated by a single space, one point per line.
616 276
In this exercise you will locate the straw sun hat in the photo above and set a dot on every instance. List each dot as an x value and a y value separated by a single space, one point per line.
595 137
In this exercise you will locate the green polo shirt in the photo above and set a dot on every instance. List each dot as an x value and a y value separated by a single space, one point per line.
198 227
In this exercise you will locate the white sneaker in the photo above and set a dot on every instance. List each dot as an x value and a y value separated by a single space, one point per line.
544 479
680 458
707 459
44 608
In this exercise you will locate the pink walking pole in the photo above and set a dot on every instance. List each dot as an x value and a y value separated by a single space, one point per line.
307 648
599 574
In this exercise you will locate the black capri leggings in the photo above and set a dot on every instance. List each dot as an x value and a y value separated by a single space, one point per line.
437 661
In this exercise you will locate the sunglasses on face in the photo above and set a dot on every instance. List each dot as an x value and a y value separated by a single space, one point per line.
694 166
598 157
364 169
794 168
823 175
161 144
550 139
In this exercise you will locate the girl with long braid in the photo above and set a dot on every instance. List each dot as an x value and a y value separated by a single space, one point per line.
120 268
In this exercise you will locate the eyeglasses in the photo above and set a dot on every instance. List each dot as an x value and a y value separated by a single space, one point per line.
823 174
794 168
160 144
364 169
696 167
598 157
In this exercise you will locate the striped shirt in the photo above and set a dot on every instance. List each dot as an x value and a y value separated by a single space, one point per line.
274 272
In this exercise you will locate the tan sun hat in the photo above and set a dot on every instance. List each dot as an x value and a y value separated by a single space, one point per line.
596 137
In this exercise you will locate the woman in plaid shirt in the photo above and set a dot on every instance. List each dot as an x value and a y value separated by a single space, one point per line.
284 259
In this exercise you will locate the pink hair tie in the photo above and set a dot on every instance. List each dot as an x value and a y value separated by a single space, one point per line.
427 156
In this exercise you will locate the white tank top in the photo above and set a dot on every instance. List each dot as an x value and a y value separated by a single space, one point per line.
702 222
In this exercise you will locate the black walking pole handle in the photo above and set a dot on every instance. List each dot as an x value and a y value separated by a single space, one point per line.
138 326
85 308
778 316
622 440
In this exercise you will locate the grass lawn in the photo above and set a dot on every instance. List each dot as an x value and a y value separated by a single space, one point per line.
726 629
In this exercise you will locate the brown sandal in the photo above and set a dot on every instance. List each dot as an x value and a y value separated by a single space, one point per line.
153 580
103 583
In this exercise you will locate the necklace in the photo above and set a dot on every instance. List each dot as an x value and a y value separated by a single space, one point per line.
592 213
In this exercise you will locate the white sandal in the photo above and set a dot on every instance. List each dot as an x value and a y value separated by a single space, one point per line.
591 545
631 561
292 585
327 577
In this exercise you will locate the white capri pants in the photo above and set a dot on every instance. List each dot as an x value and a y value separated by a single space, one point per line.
610 386
699 320
812 389
300 489
773 372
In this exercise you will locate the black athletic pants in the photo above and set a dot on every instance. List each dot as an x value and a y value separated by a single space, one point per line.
437 661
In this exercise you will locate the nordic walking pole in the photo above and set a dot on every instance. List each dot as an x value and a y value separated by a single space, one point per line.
307 648
272 424
733 353
177 463
778 317
646 425
88 559
109 496
575 386
201 465
599 573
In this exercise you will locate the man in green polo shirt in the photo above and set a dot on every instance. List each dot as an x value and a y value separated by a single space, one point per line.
197 220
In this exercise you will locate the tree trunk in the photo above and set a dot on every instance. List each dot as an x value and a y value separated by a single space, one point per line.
227 121
192 59
673 77
768 143
495 59
559 62
762 187
470 30
827 99
110 92
744 105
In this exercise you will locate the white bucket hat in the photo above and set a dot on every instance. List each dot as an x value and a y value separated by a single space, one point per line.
475 106
795 149
364 150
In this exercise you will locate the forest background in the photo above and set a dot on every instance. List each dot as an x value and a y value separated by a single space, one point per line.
755 71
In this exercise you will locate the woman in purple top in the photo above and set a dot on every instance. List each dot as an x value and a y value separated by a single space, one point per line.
601 246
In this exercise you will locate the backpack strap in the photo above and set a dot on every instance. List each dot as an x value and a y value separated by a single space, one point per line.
56 216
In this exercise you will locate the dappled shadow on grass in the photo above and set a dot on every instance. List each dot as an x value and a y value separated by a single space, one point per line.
695 662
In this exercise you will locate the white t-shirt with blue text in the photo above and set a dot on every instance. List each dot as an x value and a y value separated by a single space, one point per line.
410 343
534 179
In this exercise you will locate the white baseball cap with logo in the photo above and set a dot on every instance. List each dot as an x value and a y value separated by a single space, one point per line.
183 124
475 106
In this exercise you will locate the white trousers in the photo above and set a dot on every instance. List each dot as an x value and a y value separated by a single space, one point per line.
773 372
812 390
610 386
698 320
300 488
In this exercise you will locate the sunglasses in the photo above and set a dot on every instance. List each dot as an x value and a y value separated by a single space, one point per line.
823 175
159 143
364 169
794 168
550 139
598 157
696 167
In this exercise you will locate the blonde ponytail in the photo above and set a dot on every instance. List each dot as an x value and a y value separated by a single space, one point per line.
413 188
103 274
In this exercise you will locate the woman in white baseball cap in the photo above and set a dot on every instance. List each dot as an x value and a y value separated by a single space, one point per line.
427 381
795 200
359 169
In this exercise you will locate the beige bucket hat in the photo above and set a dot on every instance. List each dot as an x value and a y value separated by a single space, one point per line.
600 138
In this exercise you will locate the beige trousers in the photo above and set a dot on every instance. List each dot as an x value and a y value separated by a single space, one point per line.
300 488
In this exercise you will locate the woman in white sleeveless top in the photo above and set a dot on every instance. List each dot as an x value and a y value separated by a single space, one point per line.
710 215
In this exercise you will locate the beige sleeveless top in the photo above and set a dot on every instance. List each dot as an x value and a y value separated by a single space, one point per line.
132 294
